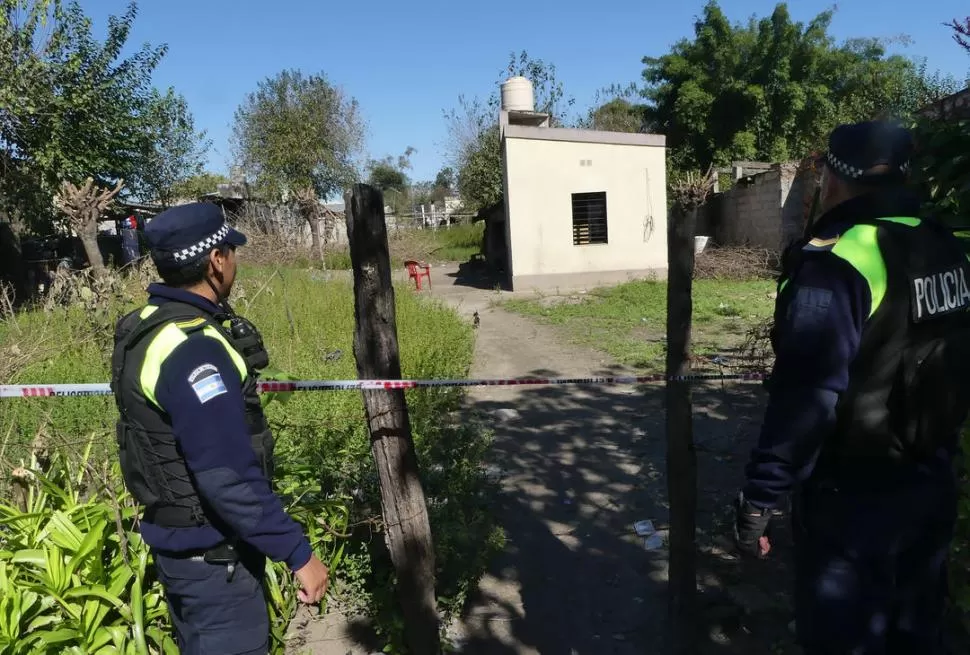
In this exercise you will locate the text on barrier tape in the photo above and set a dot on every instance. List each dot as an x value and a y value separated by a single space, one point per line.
103 389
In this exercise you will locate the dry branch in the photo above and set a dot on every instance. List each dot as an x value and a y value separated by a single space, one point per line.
83 206
693 189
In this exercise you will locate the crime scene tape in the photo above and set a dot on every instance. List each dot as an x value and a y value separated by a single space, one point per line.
286 386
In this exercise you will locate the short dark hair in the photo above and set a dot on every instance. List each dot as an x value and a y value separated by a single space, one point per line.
190 274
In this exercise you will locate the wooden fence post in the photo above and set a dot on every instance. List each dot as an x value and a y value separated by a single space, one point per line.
407 528
681 456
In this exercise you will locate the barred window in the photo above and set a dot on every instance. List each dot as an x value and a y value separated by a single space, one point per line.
589 218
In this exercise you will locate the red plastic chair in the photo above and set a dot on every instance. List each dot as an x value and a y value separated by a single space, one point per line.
418 270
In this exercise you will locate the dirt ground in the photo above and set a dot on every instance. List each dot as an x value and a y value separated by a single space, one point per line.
579 465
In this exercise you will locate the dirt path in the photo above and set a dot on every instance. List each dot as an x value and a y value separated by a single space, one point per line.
579 465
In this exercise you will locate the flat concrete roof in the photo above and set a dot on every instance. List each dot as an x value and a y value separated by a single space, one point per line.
584 136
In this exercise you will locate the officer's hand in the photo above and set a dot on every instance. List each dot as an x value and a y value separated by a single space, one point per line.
313 578
751 528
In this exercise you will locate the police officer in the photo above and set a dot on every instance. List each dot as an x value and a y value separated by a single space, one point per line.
195 448
867 397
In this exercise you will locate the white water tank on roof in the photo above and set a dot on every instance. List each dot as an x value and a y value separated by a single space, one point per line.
517 95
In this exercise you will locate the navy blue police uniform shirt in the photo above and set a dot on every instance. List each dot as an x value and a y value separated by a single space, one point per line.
818 337
200 389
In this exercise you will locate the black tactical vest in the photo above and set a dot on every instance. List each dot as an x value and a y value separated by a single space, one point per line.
153 467
909 385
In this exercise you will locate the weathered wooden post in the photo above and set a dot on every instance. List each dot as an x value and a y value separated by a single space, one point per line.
407 528
681 456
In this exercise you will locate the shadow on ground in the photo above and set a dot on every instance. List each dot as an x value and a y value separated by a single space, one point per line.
579 466
476 274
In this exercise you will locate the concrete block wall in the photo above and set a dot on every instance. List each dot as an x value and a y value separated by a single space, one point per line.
763 210
796 200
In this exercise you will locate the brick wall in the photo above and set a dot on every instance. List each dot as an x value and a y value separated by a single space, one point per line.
762 210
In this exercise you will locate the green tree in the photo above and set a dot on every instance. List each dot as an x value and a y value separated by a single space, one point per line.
480 177
386 177
198 185
771 89
297 134
445 179
390 177
389 174
70 106
174 151
614 110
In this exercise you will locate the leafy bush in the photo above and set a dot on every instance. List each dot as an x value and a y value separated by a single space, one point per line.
74 575
942 172
324 467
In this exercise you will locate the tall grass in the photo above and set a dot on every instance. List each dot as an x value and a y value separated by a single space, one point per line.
324 466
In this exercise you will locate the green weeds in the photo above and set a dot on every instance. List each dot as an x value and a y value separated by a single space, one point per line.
628 321
324 467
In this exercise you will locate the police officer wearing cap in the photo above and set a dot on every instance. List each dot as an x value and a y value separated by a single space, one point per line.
195 447
867 397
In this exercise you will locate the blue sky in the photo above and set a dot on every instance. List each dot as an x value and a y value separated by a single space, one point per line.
406 61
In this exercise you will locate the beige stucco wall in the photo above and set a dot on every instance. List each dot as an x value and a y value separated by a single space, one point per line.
542 173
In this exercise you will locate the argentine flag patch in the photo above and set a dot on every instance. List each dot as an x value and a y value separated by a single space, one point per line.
207 383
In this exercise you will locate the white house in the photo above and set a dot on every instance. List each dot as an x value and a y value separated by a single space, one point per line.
581 207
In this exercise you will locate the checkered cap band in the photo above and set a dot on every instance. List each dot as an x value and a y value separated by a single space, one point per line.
844 168
202 247
852 171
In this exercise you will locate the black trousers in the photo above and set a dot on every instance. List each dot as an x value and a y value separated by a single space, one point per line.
870 568
212 614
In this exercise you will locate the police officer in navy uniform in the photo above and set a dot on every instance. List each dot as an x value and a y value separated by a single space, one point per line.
867 397
195 447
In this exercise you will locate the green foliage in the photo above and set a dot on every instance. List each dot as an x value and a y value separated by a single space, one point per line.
772 89
386 177
75 576
615 110
617 115
198 185
628 321
298 131
457 243
174 151
390 177
445 179
942 168
72 107
473 135
480 177
942 173
324 468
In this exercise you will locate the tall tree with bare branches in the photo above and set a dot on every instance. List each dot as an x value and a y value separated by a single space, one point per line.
961 32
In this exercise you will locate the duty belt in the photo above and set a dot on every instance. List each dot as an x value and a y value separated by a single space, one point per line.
225 554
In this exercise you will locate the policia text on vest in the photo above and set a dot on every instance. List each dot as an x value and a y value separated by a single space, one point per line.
939 294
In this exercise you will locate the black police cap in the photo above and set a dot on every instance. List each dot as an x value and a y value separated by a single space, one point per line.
856 148
185 233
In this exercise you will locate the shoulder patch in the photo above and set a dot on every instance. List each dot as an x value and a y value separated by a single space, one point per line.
821 244
207 383
191 323
196 374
